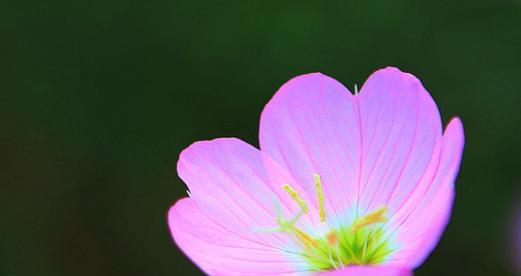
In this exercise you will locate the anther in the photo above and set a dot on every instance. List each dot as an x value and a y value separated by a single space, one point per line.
296 197
332 238
321 198
308 241
377 216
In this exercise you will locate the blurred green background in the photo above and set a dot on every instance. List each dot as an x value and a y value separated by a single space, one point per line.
97 99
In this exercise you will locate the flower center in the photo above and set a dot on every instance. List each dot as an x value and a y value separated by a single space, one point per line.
360 242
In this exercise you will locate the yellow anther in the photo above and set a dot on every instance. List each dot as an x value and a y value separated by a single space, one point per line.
332 238
306 239
377 216
296 197
321 198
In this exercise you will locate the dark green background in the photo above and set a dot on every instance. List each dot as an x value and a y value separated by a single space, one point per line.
97 99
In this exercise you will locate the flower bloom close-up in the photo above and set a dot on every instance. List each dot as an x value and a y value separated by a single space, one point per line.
343 184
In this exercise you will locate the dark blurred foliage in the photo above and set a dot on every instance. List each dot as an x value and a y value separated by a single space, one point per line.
97 99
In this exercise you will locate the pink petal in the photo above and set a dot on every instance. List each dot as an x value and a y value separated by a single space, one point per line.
369 271
370 149
424 217
239 188
401 128
218 251
311 126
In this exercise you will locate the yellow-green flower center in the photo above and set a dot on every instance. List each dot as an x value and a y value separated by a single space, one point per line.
360 242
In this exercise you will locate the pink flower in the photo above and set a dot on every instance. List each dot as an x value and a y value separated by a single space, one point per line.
343 184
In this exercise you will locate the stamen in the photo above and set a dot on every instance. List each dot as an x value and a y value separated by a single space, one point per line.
364 251
331 260
332 241
332 238
296 197
377 216
308 241
288 226
321 198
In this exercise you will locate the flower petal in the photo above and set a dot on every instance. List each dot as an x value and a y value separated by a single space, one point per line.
311 126
371 149
239 187
401 131
369 271
218 251
423 218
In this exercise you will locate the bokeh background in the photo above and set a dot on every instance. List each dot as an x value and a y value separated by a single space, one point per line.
97 99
